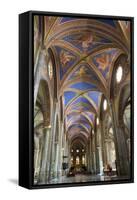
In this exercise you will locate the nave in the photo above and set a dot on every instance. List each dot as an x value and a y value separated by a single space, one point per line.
82 100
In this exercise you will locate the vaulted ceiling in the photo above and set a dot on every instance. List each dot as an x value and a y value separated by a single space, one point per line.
84 52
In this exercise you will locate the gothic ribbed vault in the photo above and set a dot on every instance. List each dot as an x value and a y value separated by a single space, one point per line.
81 70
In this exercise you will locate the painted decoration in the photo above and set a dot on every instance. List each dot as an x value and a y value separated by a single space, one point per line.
103 61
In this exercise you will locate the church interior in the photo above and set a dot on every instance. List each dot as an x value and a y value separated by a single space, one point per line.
82 99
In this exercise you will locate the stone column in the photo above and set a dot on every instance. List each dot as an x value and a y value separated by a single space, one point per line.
100 160
90 157
37 75
97 155
56 160
63 151
69 155
38 139
53 153
93 155
60 150
40 156
43 170
104 153
87 157
129 149
94 161
52 142
108 152
122 163
36 154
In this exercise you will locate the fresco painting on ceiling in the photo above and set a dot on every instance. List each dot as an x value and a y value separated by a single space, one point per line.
111 23
83 71
74 142
83 86
67 59
68 96
68 19
86 41
103 61
80 121
95 96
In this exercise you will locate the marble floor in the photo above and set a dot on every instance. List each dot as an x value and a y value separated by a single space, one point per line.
84 178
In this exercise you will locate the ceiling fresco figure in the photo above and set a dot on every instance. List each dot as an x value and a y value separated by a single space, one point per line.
86 41
65 57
